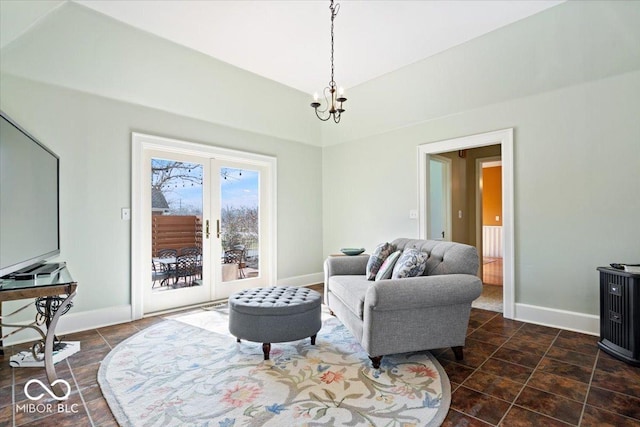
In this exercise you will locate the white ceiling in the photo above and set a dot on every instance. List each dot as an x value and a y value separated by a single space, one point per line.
289 41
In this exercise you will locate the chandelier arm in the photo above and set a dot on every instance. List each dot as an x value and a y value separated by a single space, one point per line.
325 93
320 117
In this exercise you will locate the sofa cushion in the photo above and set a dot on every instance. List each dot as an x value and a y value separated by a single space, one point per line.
380 253
351 290
411 263
386 270
444 257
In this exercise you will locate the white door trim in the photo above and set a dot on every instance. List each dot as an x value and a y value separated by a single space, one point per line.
142 142
504 138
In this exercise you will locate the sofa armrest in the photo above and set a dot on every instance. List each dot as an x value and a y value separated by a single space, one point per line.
345 265
423 291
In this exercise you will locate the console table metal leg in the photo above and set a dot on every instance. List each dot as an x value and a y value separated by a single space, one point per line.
49 367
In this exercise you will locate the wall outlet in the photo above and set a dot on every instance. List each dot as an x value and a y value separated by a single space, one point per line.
413 214
125 214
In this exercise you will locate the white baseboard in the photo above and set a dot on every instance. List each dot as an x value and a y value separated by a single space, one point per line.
306 280
570 320
75 322
85 320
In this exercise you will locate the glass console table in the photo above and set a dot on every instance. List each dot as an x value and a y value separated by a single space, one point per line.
53 295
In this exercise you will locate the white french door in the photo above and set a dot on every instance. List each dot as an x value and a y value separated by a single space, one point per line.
203 223
178 205
240 210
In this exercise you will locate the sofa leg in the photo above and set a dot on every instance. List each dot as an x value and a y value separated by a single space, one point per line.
332 313
457 351
375 361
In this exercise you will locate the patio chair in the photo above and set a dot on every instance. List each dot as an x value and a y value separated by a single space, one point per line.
163 271
187 267
194 250
158 273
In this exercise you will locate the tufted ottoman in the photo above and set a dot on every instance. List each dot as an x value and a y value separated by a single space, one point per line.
275 314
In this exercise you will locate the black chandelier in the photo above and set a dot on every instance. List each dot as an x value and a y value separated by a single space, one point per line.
334 98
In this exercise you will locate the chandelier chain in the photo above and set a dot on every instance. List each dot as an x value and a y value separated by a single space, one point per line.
334 13
333 97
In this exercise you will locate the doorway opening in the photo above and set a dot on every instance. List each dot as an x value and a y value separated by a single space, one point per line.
466 212
489 231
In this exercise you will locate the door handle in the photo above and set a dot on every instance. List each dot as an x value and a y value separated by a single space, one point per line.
218 228
206 229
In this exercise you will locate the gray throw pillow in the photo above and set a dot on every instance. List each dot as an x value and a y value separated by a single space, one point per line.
380 253
387 266
412 263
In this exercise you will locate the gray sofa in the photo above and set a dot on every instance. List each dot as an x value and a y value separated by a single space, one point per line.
409 314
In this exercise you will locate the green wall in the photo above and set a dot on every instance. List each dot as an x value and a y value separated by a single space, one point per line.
82 82
568 81
78 48
92 136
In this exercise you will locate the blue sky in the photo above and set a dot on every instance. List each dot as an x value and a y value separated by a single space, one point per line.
240 189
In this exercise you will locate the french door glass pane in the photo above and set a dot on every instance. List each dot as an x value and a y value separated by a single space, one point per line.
239 223
176 224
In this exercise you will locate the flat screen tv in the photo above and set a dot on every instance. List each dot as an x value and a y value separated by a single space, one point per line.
29 200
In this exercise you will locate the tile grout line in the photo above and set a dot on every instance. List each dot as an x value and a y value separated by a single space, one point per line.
104 339
584 403
549 392
482 364
610 391
524 385
586 396
84 403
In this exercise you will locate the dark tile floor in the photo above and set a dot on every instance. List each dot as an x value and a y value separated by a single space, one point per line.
513 374
520 374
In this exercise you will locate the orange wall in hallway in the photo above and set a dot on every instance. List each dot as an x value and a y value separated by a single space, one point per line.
492 195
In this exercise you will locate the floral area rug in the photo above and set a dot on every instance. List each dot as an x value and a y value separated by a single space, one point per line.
189 371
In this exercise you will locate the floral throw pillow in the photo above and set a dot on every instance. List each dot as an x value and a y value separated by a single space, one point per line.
386 269
411 264
380 253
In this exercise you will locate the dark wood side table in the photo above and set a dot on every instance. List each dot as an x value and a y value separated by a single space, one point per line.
53 295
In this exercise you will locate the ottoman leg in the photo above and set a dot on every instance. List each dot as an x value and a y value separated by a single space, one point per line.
313 339
266 348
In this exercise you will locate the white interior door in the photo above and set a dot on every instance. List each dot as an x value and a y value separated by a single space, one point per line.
439 199
177 207
241 210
